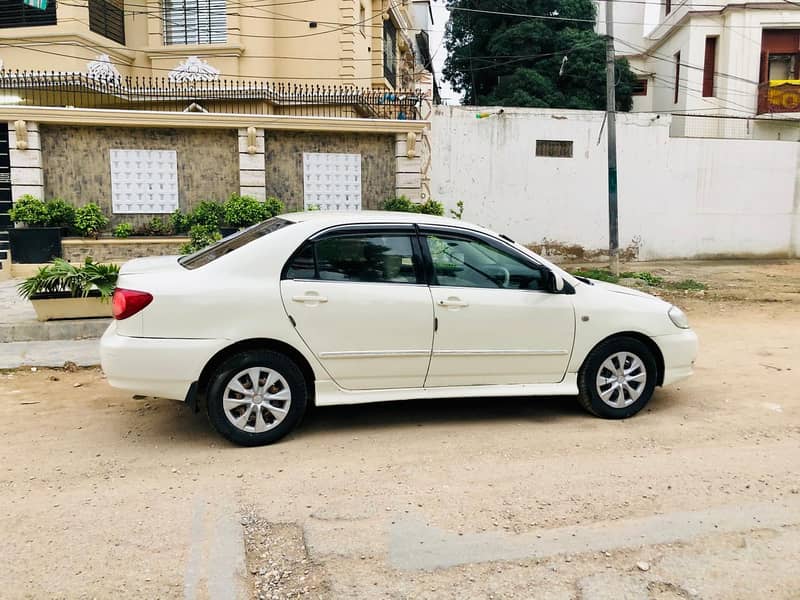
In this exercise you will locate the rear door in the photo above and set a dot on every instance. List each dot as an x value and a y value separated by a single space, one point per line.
359 301
498 323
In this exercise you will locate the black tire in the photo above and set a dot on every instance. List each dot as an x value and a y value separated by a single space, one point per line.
589 395
268 360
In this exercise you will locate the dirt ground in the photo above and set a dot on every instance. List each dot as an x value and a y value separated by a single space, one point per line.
104 496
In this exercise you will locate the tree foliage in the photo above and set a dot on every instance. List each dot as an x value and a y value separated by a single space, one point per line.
503 60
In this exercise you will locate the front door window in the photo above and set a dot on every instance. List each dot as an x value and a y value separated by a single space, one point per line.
462 262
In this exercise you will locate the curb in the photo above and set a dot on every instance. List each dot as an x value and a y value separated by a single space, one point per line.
36 331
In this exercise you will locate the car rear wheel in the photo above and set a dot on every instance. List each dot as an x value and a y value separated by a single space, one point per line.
617 379
257 397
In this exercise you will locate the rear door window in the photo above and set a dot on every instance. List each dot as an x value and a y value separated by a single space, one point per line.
364 258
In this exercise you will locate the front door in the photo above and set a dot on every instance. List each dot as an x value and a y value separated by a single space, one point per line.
497 322
359 302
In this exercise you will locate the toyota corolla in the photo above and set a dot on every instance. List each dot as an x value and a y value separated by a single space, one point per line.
331 308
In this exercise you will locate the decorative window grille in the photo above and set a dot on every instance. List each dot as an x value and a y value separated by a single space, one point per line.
331 181
554 148
195 22
144 181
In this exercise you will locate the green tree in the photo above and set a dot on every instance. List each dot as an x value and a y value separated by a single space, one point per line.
503 60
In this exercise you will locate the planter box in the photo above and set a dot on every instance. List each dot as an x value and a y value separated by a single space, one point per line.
119 250
226 231
35 244
50 307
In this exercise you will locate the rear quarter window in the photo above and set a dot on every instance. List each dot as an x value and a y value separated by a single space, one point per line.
231 243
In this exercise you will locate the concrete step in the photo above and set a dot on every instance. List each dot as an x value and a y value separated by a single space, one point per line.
72 329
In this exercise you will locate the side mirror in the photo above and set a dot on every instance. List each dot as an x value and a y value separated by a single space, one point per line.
556 282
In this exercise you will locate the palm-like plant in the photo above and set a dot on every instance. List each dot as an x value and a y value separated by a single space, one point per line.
61 276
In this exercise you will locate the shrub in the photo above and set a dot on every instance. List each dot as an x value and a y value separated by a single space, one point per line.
597 274
243 211
61 276
431 207
403 204
207 213
400 204
123 230
458 212
273 207
31 211
201 236
90 220
178 222
60 213
154 226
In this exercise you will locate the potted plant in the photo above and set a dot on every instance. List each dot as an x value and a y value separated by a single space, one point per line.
34 239
61 290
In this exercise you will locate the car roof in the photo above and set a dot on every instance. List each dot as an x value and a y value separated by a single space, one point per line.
373 216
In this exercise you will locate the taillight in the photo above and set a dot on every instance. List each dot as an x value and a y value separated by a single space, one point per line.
126 303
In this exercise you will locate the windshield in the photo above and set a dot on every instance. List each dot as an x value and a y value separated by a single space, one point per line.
231 243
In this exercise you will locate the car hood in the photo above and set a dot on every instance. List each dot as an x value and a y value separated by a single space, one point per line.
621 289
151 264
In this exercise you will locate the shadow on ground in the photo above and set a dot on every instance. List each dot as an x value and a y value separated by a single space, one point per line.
177 423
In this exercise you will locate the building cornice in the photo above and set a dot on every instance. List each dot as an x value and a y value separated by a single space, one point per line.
88 39
130 118
670 29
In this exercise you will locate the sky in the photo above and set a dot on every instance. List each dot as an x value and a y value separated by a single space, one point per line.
440 16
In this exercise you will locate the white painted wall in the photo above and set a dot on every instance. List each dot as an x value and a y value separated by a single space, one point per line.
681 197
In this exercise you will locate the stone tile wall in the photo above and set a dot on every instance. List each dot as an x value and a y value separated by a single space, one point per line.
284 163
77 166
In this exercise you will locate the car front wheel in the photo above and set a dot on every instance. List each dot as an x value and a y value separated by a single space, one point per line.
257 397
618 378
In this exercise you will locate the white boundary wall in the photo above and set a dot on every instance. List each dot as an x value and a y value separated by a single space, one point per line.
680 197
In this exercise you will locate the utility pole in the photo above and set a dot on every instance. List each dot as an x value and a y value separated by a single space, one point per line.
611 125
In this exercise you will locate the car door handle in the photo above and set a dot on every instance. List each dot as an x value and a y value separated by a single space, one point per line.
310 298
453 302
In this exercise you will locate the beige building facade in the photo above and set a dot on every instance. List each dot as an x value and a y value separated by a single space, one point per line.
144 107
361 43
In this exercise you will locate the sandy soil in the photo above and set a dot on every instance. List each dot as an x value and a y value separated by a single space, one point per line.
697 497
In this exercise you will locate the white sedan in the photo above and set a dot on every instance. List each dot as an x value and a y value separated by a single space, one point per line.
331 308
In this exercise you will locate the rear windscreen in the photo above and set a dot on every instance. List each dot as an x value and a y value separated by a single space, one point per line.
231 243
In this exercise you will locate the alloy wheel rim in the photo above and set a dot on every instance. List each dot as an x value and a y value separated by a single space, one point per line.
621 379
256 399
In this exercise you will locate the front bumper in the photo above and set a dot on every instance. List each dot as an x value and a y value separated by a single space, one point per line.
159 367
679 351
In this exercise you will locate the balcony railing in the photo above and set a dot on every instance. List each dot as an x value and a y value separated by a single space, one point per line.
224 96
779 96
